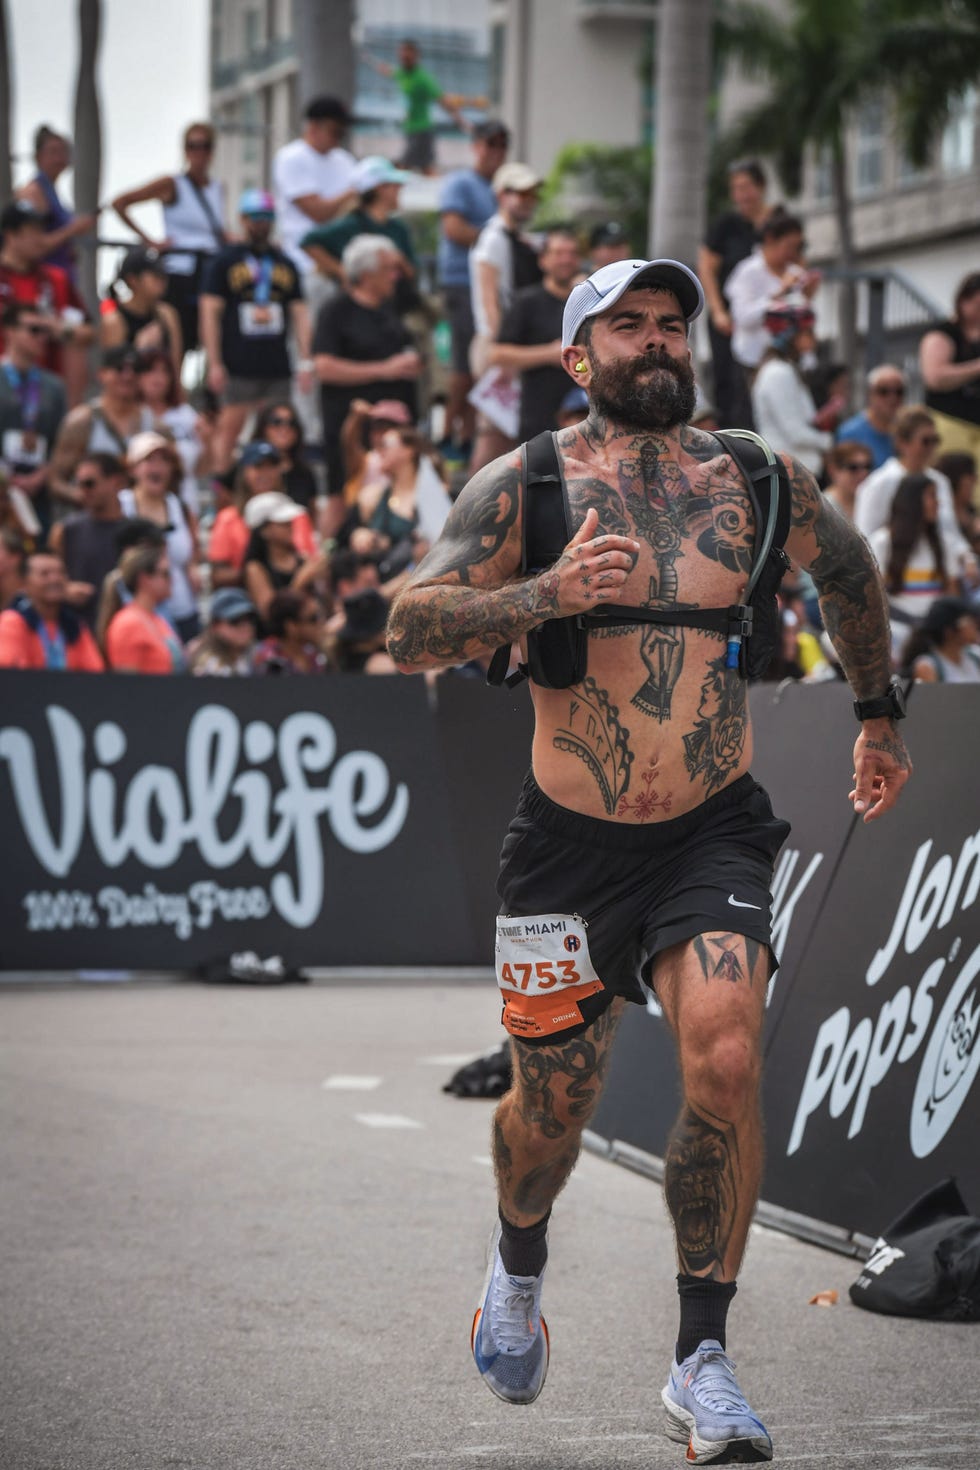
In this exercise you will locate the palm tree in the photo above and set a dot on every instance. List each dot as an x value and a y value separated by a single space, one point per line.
6 177
684 83
88 134
821 60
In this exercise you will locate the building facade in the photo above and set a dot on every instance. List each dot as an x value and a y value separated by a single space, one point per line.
255 100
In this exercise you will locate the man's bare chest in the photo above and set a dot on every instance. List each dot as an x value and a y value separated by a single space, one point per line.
694 521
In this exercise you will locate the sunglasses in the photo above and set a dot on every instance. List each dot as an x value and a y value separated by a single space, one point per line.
86 484
857 465
894 392
199 145
281 421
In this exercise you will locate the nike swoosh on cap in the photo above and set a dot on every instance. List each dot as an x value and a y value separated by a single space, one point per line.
737 904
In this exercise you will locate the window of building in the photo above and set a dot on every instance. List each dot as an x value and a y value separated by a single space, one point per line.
957 151
869 162
253 33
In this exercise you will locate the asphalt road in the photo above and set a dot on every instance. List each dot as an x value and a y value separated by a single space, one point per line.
245 1229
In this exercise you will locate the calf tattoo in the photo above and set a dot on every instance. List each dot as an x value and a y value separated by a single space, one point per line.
577 1068
701 1192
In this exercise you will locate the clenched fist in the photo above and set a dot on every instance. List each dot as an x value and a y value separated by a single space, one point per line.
592 570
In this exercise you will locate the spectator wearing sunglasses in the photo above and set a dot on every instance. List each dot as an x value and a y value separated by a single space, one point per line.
874 425
278 424
140 317
87 540
916 443
139 639
295 621
32 406
226 646
252 313
193 214
259 474
105 425
25 276
849 462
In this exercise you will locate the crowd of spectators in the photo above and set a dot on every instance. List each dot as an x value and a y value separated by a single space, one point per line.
262 521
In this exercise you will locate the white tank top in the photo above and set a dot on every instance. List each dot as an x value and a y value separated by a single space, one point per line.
186 222
180 548
103 439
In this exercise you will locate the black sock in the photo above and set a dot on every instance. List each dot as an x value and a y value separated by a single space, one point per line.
704 1310
523 1248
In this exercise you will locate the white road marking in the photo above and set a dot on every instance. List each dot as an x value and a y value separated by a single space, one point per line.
341 1083
386 1120
448 1059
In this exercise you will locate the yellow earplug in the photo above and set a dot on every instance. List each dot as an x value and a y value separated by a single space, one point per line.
580 367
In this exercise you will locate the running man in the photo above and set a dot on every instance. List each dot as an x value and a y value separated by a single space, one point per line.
641 852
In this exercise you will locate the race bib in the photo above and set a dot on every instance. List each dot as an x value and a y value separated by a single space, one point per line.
23 449
544 970
265 320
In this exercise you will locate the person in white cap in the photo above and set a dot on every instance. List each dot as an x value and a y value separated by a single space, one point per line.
503 260
640 858
378 184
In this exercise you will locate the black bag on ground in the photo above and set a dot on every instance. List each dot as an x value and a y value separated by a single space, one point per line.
245 967
490 1075
927 1263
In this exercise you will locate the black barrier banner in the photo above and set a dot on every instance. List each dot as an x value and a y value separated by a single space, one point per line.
162 823
871 1094
804 735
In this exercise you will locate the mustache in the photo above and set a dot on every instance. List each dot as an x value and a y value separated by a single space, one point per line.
657 359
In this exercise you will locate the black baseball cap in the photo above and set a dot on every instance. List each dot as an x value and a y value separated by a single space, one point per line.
328 109
609 233
19 214
491 127
117 358
141 258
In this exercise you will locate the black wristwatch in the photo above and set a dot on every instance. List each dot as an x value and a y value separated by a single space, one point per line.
890 705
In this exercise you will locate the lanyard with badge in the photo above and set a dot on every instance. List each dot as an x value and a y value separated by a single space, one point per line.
24 449
55 654
260 317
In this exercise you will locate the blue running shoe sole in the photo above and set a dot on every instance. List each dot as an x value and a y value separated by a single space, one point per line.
486 1362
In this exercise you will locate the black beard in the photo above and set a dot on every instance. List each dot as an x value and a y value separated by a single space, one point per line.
662 400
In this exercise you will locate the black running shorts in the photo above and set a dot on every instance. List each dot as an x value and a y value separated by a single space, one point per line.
586 904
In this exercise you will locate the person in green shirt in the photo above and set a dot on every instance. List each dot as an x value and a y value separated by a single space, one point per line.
420 89
377 183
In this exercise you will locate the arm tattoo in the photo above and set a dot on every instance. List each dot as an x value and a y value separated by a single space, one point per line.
700 1188
593 733
455 607
893 747
852 597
